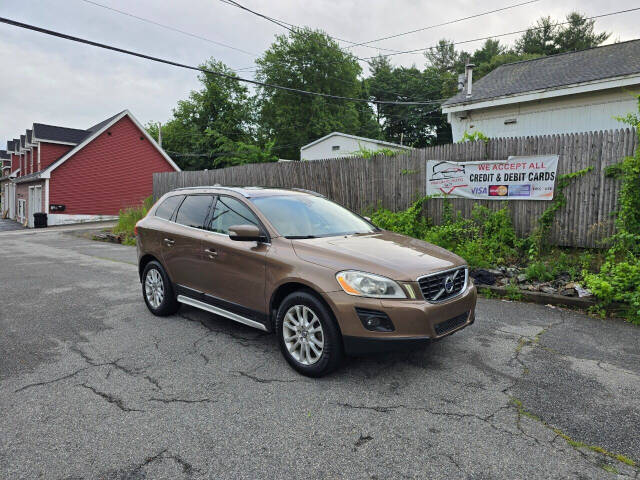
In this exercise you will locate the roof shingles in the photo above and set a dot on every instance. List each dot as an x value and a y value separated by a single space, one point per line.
53 133
608 61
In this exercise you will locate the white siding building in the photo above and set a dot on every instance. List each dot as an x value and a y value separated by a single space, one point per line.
567 93
336 145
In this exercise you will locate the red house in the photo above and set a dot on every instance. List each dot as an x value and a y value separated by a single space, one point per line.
77 175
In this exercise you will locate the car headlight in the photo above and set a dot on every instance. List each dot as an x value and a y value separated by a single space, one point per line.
364 284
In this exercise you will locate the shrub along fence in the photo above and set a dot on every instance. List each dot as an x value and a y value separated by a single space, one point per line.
396 182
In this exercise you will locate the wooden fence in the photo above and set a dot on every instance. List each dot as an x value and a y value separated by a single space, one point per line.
395 182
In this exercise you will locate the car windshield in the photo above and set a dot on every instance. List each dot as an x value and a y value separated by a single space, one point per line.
306 216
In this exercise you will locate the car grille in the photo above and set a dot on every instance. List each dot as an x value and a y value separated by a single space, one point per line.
451 324
434 286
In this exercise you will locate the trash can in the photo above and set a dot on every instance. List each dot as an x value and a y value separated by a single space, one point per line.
39 220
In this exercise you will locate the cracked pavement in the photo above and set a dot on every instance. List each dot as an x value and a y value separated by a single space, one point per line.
92 386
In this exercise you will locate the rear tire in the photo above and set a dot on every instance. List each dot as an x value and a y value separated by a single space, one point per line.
308 335
157 290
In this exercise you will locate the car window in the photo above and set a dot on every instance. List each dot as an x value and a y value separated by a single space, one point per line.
305 216
194 210
228 212
165 209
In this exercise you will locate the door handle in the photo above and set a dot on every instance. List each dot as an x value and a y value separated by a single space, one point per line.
168 242
211 253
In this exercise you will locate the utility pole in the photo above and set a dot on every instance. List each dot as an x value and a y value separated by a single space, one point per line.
160 134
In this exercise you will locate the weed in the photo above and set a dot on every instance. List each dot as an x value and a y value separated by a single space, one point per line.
513 292
128 218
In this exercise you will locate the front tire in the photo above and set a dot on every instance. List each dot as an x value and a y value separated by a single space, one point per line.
308 335
157 290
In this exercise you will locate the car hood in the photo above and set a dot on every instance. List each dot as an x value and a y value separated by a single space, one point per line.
385 253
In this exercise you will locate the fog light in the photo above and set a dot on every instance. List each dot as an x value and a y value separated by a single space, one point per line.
375 320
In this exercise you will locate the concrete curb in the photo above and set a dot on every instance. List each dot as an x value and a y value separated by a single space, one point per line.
60 228
543 298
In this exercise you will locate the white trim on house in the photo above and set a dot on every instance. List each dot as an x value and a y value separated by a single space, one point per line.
355 137
560 91
46 195
54 141
67 219
34 206
46 173
22 207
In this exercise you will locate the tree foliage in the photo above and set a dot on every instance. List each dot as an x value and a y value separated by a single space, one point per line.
224 123
310 60
547 37
414 125
214 126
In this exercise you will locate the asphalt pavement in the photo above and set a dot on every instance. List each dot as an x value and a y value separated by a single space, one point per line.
92 386
7 225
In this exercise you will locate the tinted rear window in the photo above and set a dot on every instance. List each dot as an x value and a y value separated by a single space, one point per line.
194 210
166 208
230 212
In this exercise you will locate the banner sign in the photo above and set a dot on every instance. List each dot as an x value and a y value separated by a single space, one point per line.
518 178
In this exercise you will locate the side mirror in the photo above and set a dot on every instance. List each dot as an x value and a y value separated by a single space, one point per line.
368 219
246 233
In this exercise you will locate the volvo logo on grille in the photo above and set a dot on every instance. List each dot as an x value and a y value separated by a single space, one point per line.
448 284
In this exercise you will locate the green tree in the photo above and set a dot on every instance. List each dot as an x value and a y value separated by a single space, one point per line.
415 125
444 57
547 37
579 34
213 127
310 60
489 50
540 39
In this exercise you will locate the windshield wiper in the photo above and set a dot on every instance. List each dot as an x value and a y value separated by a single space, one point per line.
299 237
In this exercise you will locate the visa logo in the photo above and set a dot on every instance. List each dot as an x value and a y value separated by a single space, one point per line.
479 190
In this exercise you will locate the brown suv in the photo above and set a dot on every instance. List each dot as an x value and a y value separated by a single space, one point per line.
326 280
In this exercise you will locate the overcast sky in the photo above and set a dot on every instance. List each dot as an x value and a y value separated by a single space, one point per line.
55 81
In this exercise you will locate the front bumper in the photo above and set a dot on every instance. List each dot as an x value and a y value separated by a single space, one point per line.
415 321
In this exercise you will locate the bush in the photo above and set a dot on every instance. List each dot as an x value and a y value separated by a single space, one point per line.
484 240
539 271
559 262
128 218
619 277
618 281
408 222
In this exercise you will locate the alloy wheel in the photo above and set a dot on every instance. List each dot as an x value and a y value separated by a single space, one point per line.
303 334
154 288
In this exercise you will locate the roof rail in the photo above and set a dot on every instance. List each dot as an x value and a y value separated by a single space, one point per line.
218 186
310 192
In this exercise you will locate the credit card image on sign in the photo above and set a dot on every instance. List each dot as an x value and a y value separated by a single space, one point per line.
519 190
498 190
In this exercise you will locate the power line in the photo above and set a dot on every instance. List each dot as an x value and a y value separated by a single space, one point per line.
245 69
290 26
442 24
421 50
168 27
270 19
199 69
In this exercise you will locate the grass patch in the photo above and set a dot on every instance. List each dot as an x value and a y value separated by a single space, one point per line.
574 443
127 220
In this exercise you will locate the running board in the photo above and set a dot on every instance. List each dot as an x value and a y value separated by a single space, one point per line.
219 311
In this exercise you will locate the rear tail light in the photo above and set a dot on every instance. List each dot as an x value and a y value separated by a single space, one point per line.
135 229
